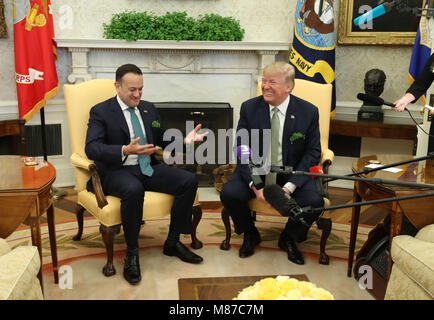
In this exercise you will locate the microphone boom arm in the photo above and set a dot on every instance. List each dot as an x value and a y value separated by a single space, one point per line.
366 171
365 203
372 180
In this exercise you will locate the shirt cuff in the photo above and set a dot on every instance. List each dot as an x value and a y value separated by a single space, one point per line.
290 186
250 184
122 153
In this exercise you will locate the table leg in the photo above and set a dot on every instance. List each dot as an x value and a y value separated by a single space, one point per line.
395 230
53 245
354 227
35 230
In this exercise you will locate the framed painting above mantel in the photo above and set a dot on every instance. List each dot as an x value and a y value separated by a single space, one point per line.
389 23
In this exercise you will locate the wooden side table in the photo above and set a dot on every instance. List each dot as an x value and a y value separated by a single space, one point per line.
25 194
14 129
375 130
418 211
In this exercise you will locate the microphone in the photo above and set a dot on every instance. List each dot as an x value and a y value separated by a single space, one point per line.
316 169
374 13
429 107
318 180
373 100
286 205
244 153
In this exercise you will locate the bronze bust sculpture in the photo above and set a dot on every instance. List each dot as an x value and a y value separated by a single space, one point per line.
374 86
374 82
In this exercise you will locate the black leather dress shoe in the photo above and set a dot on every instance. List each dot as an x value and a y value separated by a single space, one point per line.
132 269
251 240
182 252
288 245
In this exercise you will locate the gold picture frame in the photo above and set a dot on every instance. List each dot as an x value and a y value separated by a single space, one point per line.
348 35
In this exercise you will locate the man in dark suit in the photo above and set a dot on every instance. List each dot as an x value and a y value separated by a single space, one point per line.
295 141
122 136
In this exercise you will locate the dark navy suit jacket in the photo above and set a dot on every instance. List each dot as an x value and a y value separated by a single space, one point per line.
108 131
302 153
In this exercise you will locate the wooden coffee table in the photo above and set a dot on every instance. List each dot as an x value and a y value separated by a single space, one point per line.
220 288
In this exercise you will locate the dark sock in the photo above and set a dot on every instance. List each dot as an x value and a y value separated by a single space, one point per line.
252 230
132 251
172 238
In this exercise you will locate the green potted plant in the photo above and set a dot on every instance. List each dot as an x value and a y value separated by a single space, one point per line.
132 26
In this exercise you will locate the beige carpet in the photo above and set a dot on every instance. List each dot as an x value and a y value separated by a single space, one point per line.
160 273
210 231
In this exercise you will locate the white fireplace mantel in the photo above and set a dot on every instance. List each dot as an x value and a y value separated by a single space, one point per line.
172 45
80 48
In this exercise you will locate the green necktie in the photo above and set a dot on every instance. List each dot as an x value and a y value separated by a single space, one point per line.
275 128
144 159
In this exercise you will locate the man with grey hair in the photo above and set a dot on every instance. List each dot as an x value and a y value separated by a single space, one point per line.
295 141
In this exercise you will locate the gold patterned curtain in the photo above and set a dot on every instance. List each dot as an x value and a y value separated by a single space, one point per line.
3 29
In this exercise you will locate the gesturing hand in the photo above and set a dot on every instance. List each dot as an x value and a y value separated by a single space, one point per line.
193 136
135 148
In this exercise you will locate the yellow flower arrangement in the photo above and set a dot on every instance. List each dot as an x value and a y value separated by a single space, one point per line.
283 288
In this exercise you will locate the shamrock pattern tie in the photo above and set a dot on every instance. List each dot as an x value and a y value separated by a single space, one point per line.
270 178
144 159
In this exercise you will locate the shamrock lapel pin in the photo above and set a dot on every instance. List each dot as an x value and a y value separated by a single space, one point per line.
155 124
296 135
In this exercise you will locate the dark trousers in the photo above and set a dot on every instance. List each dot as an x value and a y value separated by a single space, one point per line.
129 184
236 193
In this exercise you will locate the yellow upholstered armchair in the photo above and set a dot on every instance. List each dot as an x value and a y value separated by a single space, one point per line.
319 95
19 270
412 276
80 98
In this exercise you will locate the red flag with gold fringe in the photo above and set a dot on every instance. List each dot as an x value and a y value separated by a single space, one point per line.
35 55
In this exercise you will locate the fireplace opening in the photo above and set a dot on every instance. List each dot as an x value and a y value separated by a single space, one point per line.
212 116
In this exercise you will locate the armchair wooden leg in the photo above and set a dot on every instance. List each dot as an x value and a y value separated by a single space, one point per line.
108 234
79 210
325 224
225 245
197 215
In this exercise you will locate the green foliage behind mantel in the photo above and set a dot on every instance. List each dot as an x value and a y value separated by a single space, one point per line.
178 26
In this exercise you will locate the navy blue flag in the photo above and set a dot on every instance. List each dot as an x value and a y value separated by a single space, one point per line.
421 51
313 47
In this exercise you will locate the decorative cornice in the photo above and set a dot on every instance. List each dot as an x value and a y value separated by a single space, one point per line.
196 46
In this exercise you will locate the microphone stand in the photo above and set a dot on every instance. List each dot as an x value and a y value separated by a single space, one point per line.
366 171
365 203
310 210
372 180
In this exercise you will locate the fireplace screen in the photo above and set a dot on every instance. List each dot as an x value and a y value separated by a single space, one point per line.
216 117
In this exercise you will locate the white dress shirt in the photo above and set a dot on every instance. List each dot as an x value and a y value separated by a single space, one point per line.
133 159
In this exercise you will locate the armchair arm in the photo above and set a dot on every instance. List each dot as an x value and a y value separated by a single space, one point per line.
327 159
18 279
86 164
80 162
4 247
416 259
